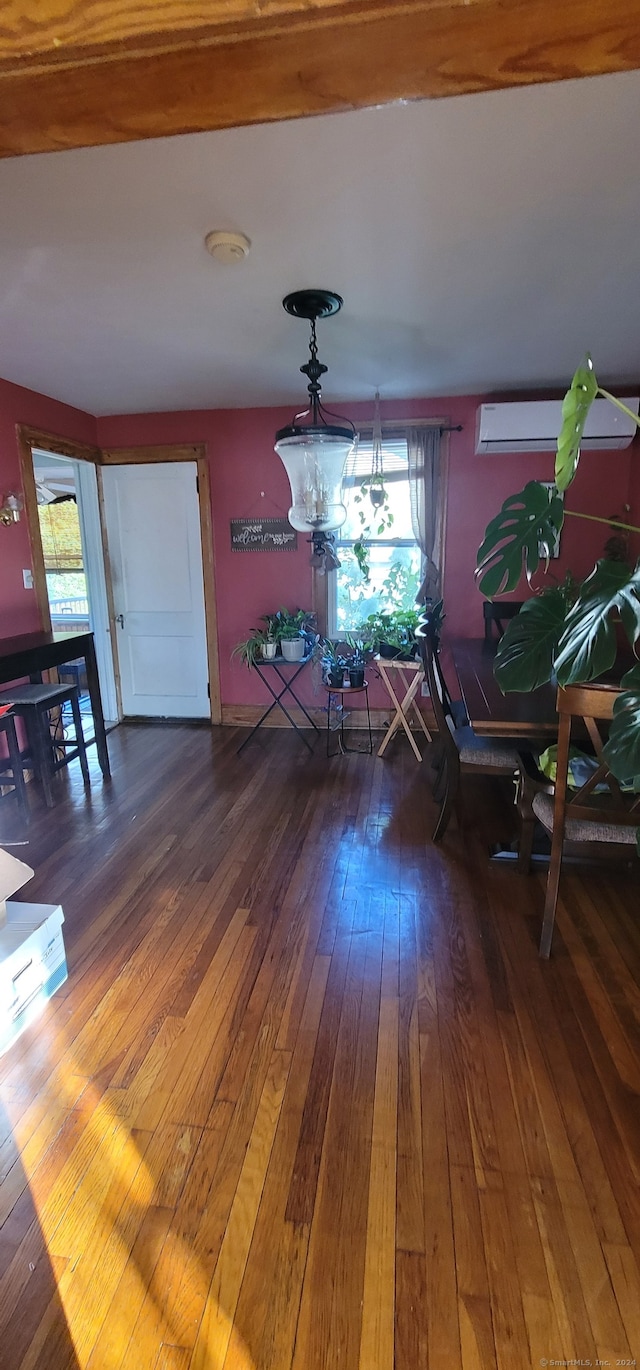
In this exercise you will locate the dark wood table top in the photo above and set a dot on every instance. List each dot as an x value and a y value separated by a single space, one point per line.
28 654
41 641
532 715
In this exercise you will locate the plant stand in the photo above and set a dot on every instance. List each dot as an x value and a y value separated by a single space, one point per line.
263 668
404 706
334 693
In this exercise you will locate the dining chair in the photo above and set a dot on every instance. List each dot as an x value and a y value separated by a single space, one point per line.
599 813
496 613
461 749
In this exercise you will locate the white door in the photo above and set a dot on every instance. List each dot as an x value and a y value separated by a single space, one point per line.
155 551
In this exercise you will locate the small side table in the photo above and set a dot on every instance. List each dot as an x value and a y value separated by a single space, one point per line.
403 707
286 687
335 692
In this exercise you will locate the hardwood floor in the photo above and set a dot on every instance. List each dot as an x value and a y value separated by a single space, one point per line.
308 1099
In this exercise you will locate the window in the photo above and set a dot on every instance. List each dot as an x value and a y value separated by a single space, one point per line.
395 561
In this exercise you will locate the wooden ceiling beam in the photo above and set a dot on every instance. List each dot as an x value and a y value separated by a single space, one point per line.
112 77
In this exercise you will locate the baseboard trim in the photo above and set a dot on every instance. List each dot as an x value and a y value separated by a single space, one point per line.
247 715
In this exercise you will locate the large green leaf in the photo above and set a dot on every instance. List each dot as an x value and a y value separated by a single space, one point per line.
575 408
524 532
622 751
524 658
587 647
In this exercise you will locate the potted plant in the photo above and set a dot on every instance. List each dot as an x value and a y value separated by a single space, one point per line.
292 643
294 632
394 634
334 664
252 647
271 643
361 652
572 637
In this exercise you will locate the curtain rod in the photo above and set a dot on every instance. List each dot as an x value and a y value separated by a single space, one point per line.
391 424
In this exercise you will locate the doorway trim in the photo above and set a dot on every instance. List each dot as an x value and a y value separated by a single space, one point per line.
29 437
193 452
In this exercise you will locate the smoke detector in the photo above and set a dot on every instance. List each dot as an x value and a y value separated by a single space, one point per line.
227 247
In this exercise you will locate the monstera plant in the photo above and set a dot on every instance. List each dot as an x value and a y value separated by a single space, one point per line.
569 631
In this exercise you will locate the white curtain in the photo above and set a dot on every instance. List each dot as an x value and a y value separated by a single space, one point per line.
427 487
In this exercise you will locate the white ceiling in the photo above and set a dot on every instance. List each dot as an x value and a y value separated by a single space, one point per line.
480 243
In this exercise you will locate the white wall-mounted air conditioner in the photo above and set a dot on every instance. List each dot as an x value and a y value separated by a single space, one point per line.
534 425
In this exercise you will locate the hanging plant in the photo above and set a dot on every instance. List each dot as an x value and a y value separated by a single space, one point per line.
378 518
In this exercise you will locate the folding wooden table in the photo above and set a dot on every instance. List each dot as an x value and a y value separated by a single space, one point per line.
414 672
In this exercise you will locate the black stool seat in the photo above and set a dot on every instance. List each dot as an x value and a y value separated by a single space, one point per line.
11 772
33 704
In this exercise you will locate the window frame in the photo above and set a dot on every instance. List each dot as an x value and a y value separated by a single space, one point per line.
324 587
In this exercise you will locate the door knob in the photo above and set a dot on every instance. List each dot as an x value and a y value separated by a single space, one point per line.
120 619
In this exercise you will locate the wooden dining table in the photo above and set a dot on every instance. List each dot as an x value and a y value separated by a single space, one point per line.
530 716
30 654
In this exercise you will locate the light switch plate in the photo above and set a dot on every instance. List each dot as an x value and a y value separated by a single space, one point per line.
27 580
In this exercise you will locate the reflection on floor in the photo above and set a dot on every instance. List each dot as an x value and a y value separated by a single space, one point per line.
309 1100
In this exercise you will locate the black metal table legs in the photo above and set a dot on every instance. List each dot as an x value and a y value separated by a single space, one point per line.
263 667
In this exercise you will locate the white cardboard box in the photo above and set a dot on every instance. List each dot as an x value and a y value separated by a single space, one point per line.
33 964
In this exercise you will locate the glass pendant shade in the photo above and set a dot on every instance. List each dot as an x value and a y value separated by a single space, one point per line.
314 463
312 448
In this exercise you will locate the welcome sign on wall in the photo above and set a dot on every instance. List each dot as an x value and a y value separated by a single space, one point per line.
263 535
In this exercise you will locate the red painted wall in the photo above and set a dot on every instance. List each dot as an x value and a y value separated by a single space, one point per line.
477 488
243 464
18 613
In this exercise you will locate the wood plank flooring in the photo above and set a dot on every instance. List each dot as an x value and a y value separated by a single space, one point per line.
308 1099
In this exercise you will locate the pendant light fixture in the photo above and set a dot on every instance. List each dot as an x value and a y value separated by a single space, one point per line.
312 448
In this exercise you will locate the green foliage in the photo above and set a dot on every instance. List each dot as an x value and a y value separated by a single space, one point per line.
575 409
526 652
397 591
396 629
622 751
525 530
362 650
248 651
401 586
569 630
281 625
588 644
287 624
372 493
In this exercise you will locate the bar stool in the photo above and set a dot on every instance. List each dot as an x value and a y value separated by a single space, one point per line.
34 703
11 772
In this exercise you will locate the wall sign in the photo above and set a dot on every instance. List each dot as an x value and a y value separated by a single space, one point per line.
263 535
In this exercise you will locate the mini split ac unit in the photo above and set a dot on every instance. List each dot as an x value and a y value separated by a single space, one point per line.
534 425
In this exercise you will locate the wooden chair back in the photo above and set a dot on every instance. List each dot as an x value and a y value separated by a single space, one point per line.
429 646
593 704
497 613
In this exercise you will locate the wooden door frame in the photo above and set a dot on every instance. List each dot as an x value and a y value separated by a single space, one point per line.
194 452
29 438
